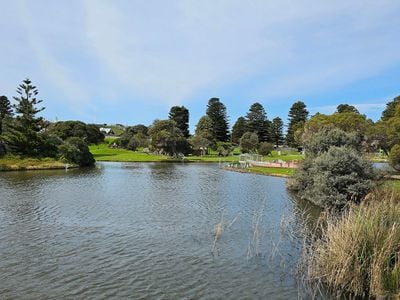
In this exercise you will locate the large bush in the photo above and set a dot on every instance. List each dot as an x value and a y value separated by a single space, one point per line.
394 157
334 171
328 136
334 178
76 151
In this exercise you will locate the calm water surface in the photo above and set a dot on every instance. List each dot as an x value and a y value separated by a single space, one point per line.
146 231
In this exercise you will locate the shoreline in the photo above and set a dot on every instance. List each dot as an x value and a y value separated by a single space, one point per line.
250 171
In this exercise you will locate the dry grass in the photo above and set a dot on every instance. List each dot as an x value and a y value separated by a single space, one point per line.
358 253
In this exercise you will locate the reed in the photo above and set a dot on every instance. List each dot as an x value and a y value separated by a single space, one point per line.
357 253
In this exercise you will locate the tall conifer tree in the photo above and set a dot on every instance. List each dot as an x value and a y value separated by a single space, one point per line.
216 111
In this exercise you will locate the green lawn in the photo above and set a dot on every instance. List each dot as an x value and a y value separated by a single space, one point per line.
272 171
15 163
102 152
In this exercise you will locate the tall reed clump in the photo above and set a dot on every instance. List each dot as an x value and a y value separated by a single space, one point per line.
358 252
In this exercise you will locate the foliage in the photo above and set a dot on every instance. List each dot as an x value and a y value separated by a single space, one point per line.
328 136
394 157
76 151
298 114
358 252
49 145
257 122
180 115
224 148
347 121
249 142
390 109
277 131
166 137
265 148
5 111
201 142
91 134
333 178
238 129
22 135
216 111
345 108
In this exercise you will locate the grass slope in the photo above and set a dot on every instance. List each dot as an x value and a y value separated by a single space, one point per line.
16 163
102 152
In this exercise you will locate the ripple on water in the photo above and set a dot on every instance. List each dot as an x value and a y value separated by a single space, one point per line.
145 231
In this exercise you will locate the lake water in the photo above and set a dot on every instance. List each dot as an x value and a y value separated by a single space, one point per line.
147 231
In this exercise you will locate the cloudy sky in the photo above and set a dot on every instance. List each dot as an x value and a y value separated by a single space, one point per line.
129 61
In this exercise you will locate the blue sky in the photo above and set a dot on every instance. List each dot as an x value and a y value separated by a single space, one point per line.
129 61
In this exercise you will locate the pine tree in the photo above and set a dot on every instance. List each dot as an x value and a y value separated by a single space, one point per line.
298 115
5 111
277 131
22 137
180 115
238 130
216 111
257 122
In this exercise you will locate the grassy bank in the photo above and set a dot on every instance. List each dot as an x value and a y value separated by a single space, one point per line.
16 163
278 172
359 251
102 152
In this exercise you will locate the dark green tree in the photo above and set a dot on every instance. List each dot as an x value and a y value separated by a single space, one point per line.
238 129
5 111
76 151
345 108
249 142
216 111
277 131
167 138
180 115
257 122
22 136
298 115
390 109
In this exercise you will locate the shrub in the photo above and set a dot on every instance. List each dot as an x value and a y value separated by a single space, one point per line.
328 136
265 148
333 178
248 142
394 157
359 252
76 151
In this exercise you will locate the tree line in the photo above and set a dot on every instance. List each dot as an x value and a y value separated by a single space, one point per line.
24 133
253 132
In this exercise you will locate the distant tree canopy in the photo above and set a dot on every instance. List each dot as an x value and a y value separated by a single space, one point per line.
346 108
91 134
298 115
276 130
27 134
180 115
167 138
257 122
390 109
347 121
5 111
238 129
216 111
